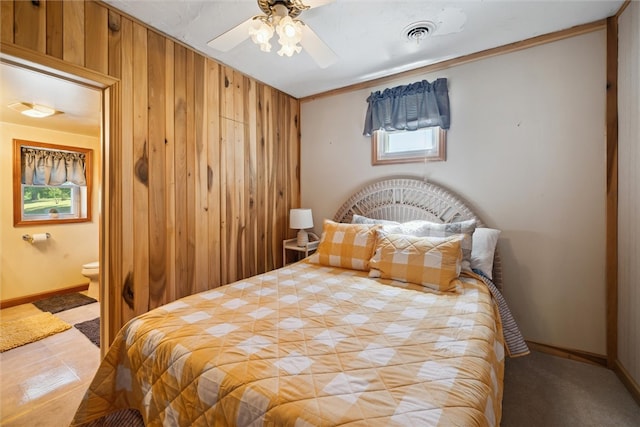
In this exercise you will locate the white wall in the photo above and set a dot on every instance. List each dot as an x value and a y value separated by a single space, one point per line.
629 191
27 269
526 148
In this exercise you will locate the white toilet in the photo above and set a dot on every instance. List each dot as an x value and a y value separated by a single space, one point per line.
92 272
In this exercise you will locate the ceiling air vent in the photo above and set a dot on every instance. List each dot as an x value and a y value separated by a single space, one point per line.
418 31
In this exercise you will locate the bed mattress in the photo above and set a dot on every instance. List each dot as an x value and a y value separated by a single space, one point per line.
309 345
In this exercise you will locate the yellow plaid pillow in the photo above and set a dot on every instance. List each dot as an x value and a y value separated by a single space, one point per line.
346 245
433 262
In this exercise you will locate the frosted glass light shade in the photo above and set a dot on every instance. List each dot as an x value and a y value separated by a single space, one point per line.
261 32
290 34
300 219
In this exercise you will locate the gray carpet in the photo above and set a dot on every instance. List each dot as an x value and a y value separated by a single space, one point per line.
544 390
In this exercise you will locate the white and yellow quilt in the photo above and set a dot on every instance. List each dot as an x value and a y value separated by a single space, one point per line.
309 345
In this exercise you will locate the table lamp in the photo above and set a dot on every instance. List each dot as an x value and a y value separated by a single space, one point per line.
300 219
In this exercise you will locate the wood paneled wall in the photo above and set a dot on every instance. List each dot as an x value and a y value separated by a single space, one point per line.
203 160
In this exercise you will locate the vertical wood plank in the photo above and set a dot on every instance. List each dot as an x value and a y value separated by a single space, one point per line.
202 221
276 173
127 172
73 32
6 21
141 172
271 254
261 177
280 156
114 45
273 156
30 25
250 167
238 187
96 35
157 161
226 93
180 154
213 170
170 183
293 147
109 231
229 207
226 130
231 169
54 28
115 206
191 168
112 213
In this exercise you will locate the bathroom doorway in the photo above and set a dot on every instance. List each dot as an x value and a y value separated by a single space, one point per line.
107 88
55 184
52 374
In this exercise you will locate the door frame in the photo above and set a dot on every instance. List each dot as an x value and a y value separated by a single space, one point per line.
110 89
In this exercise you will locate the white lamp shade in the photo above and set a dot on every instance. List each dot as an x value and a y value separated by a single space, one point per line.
300 219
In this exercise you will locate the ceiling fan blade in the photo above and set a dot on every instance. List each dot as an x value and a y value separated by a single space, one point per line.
316 3
316 48
232 38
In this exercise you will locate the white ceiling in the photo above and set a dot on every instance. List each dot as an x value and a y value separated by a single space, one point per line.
80 106
366 35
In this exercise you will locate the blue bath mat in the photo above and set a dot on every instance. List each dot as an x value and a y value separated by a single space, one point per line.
64 302
90 329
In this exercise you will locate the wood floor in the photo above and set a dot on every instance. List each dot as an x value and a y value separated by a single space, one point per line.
42 383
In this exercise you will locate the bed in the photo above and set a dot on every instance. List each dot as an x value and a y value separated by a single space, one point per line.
343 337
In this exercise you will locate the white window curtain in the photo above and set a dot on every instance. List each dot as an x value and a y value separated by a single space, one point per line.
50 167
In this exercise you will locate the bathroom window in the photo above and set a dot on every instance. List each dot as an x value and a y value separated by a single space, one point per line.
52 183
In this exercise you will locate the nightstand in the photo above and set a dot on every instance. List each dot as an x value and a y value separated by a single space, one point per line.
291 245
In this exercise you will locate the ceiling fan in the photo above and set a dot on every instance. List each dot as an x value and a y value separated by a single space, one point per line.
279 17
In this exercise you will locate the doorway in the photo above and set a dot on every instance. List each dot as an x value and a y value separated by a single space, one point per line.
66 377
109 88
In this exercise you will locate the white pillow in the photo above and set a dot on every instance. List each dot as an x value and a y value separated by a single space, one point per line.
359 219
483 247
422 228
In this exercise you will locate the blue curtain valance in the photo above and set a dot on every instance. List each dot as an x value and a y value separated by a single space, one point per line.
410 107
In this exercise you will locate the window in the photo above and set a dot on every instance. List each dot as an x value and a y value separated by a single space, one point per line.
425 144
52 183
45 202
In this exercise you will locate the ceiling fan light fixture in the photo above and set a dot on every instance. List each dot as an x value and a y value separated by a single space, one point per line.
293 34
278 21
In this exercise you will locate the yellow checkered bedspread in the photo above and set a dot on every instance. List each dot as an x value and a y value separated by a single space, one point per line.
308 345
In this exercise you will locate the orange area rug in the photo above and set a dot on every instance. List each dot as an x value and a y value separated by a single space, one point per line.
15 333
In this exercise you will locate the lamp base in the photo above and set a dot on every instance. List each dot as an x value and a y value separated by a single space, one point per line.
303 238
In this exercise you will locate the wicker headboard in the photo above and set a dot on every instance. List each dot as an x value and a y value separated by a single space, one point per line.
406 199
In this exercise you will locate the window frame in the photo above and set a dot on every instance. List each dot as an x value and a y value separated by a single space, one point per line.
379 140
84 208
